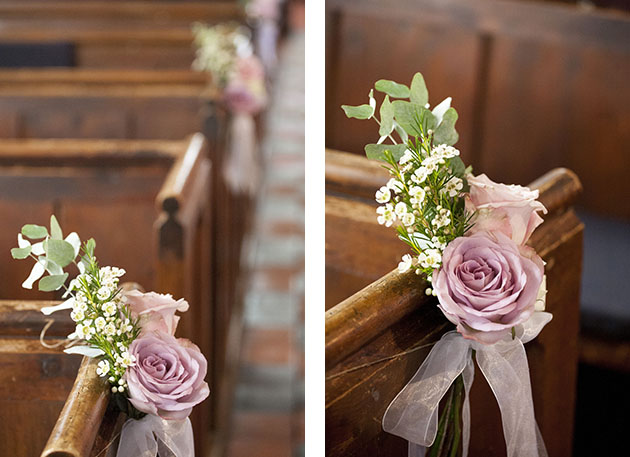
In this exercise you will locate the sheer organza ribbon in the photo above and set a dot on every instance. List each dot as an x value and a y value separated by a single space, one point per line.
152 434
413 414
241 168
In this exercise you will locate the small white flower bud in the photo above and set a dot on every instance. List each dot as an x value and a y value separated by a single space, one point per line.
429 291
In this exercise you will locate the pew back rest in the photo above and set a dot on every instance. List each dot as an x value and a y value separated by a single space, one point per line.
127 104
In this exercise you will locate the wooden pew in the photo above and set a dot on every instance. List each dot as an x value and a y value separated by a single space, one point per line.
147 205
377 338
136 34
498 60
34 380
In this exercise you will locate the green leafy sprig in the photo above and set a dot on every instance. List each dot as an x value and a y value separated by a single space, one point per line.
424 196
104 325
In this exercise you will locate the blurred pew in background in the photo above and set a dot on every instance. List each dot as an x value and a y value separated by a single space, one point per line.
131 34
393 315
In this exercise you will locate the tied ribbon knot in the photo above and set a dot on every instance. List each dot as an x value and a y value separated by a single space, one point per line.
152 434
413 414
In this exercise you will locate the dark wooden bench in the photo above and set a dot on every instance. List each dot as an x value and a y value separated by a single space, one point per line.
377 338
146 203
136 34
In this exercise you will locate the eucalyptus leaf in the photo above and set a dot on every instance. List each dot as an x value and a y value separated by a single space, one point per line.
358 112
54 282
55 229
391 88
34 231
457 166
445 133
21 253
377 151
50 266
403 135
387 117
59 251
90 245
419 93
413 118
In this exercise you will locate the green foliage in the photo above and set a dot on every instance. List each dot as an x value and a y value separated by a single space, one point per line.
34 232
55 229
59 251
391 88
378 151
445 133
457 167
358 112
387 117
415 119
21 253
89 247
419 93
52 282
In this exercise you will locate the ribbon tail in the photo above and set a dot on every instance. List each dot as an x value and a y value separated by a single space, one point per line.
413 414
147 436
505 367
468 375
241 169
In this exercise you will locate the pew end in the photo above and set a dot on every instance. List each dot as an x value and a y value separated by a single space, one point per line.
378 337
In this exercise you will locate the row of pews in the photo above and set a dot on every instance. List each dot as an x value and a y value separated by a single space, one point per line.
380 325
125 144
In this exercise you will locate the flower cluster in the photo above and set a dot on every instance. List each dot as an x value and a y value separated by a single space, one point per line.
132 333
467 232
225 51
423 200
103 318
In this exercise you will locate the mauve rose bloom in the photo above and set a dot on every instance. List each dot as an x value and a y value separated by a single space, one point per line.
246 92
168 377
488 284
511 209
156 311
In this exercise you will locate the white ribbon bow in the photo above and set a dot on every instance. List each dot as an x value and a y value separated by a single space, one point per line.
413 414
147 436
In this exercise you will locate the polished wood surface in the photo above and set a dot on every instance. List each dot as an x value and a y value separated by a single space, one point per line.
537 85
377 338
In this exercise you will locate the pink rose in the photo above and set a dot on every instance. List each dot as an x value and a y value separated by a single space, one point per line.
246 92
512 209
168 377
156 311
488 284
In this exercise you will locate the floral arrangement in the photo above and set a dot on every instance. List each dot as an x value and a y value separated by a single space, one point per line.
132 334
225 51
468 238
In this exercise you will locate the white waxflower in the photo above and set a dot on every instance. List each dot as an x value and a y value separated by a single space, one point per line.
395 185
431 163
420 175
405 264
383 195
84 330
386 215
109 329
444 151
400 209
109 308
406 157
125 359
442 218
77 315
437 244
104 292
408 219
453 186
100 323
431 258
417 194
103 368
